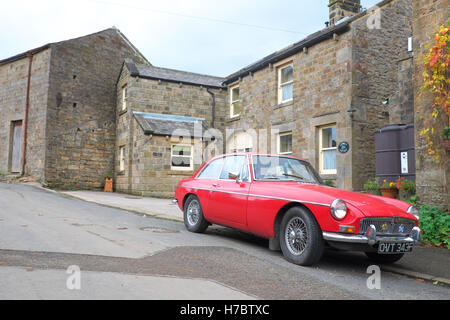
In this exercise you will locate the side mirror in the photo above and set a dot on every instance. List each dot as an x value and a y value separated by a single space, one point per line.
233 175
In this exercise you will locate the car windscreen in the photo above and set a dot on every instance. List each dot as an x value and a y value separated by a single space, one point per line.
284 168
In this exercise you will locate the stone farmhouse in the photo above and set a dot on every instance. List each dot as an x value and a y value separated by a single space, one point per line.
329 88
75 110
57 104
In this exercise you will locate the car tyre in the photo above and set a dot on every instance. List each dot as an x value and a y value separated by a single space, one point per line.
301 237
384 258
193 215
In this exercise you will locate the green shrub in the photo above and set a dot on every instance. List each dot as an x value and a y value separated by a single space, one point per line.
372 184
329 183
447 133
435 225
413 200
408 186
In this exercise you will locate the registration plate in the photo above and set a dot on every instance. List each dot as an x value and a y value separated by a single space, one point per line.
393 247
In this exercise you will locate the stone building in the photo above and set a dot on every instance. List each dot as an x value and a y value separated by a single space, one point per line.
164 123
432 179
57 103
333 89
95 104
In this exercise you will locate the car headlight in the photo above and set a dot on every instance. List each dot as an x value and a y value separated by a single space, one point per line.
414 211
338 209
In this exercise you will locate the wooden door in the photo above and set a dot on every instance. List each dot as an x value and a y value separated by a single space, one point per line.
16 150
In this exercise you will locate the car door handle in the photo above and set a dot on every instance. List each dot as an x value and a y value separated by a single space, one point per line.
216 185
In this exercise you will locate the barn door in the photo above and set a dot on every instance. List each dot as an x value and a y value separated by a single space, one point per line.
16 150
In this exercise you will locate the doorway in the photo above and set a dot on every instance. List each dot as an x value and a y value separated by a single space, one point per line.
16 147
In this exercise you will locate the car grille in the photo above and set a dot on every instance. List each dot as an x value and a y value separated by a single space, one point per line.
388 226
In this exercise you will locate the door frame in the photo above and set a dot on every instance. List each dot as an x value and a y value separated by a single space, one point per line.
13 125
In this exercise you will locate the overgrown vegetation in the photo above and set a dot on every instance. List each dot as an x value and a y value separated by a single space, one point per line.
435 225
372 184
436 82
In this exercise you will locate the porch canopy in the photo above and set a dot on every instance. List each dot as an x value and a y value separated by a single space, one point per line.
173 125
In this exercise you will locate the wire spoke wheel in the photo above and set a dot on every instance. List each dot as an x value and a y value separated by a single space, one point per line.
301 237
193 215
193 212
296 235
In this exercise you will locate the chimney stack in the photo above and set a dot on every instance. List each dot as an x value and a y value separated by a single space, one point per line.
340 9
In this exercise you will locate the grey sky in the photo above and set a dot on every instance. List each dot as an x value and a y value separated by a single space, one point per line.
215 37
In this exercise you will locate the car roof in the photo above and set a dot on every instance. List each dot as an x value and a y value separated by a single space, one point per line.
258 153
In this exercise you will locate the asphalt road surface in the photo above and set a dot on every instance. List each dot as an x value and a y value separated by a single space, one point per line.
56 247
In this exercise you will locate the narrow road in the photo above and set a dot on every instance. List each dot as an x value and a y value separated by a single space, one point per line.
123 255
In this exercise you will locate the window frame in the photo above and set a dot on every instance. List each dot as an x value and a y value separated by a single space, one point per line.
246 165
306 163
121 158
124 97
225 161
281 85
233 102
191 158
282 134
209 163
321 150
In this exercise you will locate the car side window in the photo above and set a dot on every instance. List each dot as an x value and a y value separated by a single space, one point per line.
245 174
212 170
232 167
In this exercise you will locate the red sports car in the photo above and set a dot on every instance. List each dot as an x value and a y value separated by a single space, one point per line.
283 199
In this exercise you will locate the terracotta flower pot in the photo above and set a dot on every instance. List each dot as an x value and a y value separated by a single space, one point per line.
389 192
108 185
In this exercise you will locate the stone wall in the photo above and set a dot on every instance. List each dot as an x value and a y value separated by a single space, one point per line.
148 158
380 41
340 81
13 89
321 96
81 108
402 103
432 179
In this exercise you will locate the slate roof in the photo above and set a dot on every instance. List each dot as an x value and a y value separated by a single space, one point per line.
48 45
158 73
168 125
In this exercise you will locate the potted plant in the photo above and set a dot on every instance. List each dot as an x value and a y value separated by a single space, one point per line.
372 186
108 182
389 189
447 138
406 188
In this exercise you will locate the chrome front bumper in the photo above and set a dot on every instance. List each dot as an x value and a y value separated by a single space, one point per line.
371 237
174 201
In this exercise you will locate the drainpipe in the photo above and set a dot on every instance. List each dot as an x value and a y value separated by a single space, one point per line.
27 103
213 111
213 107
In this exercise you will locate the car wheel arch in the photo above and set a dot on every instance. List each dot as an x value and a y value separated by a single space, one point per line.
282 212
187 195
